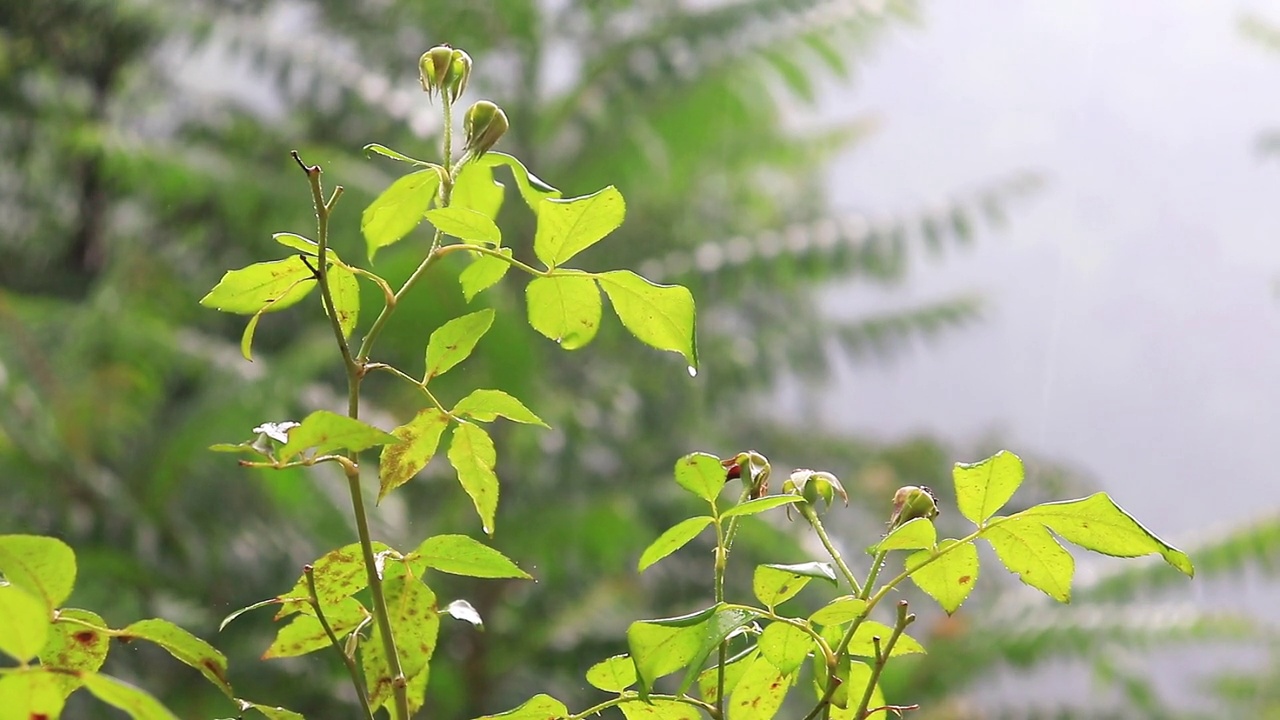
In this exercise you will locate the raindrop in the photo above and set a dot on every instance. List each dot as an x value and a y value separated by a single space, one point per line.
693 371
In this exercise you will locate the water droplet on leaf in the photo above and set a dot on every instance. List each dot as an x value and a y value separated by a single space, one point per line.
693 371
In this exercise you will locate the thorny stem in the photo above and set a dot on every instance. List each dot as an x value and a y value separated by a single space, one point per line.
347 660
355 373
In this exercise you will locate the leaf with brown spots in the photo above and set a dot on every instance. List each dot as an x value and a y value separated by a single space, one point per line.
411 609
31 695
419 439
184 647
453 342
304 634
473 456
78 640
948 579
760 692
565 307
338 574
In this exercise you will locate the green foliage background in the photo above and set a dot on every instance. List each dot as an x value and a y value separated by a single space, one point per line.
128 186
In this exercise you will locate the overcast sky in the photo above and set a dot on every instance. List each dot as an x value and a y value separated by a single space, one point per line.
1132 326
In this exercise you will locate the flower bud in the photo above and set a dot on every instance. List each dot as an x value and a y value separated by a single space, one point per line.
912 502
814 486
484 123
445 70
753 469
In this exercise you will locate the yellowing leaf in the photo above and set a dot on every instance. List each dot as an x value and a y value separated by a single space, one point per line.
419 438
78 640
338 575
452 342
264 286
567 227
488 405
43 566
948 579
672 540
982 488
411 608
483 273
661 316
472 454
1096 523
613 674
304 633
398 209
462 555
565 307
1025 547
465 224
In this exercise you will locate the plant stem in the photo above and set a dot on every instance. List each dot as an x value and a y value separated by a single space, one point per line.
811 514
873 574
882 658
356 680
721 564
632 696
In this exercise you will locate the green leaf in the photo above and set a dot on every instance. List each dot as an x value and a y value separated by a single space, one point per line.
184 647
462 555
489 405
249 608
134 701
1025 547
385 151
775 584
411 607
79 645
759 693
246 338
839 611
483 273
917 534
785 645
855 684
701 474
304 245
304 634
32 693
472 454
398 209
950 578
659 709
269 286
759 505
465 224
452 342
565 307
24 623
1096 523
709 679
567 227
419 438
613 674
863 642
673 539
538 707
43 566
661 316
338 575
532 189
982 488
661 647
475 189
269 712
417 690
328 431
345 291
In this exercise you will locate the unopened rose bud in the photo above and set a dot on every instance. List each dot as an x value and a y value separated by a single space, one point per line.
484 123
445 70
814 486
912 502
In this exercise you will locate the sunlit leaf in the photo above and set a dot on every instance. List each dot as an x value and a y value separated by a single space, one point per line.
660 709
759 505
346 297
709 679
24 623
385 151
759 693
411 607
483 273
701 474
452 342
304 633
856 678
419 438
982 488
473 456
184 647
328 431
661 647
33 694
465 224
567 227
273 285
134 701
1025 547
488 405
917 534
863 642
304 245
613 674
948 579
661 316
398 209
43 566
462 555
268 711
785 645
475 189
775 584
78 640
338 574
839 611
538 707
673 539
565 307
1096 523
532 189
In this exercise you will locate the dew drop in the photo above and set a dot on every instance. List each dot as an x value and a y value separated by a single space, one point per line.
693 371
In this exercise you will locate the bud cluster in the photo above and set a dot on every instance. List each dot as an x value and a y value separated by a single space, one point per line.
444 70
